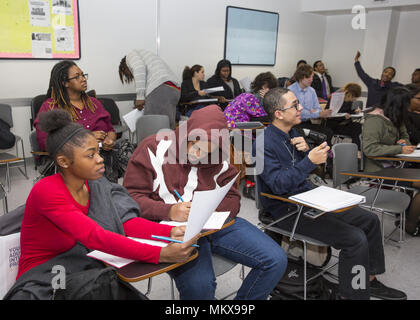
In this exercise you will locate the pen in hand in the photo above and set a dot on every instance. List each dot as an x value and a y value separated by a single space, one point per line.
171 240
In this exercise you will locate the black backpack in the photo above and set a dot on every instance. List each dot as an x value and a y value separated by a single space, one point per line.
97 284
290 287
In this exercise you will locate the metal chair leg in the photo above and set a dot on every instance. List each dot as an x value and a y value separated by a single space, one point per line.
304 270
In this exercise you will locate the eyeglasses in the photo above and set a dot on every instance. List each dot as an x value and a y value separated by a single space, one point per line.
84 75
295 105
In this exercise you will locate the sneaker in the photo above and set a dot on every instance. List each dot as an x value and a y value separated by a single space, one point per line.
379 290
249 192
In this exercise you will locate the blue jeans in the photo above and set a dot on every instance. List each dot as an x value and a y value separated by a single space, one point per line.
242 243
195 108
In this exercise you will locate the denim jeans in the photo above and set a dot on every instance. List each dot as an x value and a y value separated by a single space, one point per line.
242 243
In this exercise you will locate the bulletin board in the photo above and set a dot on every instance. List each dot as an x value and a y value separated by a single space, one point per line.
39 29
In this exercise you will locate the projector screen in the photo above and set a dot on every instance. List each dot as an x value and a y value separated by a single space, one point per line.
251 36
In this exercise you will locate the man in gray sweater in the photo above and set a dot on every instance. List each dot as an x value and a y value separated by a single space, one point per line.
157 87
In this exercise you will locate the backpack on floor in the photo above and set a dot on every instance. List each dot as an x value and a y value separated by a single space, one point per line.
291 286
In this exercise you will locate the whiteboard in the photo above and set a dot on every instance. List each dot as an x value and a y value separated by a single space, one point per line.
251 36
39 29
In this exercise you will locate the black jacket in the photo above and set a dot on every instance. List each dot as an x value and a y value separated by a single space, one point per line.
412 123
7 139
216 81
317 84
188 92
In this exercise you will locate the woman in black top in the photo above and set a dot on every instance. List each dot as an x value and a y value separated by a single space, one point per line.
412 120
192 87
223 78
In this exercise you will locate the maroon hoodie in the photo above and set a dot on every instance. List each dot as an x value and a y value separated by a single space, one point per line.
159 166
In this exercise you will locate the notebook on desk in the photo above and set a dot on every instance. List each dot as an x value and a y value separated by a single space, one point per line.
328 199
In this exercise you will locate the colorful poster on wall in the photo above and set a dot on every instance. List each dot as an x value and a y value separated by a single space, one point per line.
39 29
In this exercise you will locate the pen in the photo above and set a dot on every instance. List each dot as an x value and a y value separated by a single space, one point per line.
179 196
172 240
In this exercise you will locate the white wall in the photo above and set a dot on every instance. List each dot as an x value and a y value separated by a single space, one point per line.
346 5
191 31
390 38
407 46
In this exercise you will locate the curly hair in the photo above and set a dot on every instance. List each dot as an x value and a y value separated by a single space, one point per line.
265 78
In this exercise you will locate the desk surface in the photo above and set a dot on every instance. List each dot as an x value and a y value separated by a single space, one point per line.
273 196
137 271
396 174
396 158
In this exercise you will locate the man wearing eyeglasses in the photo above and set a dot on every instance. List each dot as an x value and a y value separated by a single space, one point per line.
287 162
309 100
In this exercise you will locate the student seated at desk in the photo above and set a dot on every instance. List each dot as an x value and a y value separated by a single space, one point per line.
76 205
223 78
192 87
309 100
385 134
248 106
67 91
287 162
183 163
345 125
412 120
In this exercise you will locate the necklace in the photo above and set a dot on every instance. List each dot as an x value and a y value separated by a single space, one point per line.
292 154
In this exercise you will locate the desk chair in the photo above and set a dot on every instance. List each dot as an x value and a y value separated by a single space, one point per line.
293 236
385 202
112 108
41 159
3 196
221 265
36 104
6 158
150 124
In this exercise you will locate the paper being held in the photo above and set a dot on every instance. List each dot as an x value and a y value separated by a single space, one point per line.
203 205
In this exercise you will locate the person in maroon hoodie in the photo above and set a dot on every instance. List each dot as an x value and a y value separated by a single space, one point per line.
186 163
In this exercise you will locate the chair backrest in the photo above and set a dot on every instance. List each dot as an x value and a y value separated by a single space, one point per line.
36 104
6 114
344 159
112 108
150 124
221 265
34 141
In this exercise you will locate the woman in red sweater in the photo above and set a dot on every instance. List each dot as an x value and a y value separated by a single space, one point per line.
56 211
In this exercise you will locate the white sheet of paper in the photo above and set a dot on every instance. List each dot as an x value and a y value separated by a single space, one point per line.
119 262
131 118
203 205
215 89
215 221
328 199
415 154
337 100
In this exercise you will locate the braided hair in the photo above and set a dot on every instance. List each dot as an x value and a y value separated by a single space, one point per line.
63 133
58 92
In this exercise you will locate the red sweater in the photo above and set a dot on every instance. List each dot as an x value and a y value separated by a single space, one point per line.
53 222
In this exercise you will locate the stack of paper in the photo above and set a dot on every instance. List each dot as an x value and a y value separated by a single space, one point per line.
211 90
328 199
131 118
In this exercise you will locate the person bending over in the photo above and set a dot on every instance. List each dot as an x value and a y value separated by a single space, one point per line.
157 87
